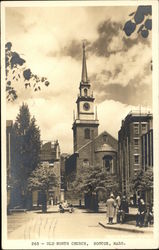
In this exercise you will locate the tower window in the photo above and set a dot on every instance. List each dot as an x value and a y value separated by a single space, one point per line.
107 159
87 133
85 92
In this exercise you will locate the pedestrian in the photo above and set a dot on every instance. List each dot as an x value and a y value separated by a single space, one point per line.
111 205
123 209
61 209
141 213
51 201
148 215
118 203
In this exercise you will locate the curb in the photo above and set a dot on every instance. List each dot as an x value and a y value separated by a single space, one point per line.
122 229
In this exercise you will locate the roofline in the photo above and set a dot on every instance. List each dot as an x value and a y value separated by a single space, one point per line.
94 140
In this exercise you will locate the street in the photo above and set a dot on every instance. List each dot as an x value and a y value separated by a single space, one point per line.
54 225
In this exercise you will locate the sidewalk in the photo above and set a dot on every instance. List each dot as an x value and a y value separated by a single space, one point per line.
127 227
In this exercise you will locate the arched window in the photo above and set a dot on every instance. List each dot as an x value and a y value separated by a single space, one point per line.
85 92
87 133
107 159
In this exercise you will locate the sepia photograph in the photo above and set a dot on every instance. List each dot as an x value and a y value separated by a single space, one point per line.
80 122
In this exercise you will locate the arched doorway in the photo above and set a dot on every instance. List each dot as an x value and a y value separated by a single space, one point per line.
101 194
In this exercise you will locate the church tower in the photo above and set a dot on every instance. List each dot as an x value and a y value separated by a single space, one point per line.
85 126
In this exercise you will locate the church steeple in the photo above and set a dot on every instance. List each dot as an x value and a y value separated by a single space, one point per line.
85 125
84 78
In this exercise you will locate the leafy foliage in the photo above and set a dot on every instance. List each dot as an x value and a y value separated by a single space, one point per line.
144 180
93 177
16 71
42 178
26 146
142 18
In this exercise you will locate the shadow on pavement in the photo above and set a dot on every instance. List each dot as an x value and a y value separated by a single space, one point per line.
49 212
92 212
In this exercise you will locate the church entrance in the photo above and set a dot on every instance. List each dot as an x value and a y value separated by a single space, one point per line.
101 194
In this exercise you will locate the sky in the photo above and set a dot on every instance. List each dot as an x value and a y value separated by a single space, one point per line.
50 40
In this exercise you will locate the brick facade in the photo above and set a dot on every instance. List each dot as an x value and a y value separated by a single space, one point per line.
50 155
96 152
90 149
135 125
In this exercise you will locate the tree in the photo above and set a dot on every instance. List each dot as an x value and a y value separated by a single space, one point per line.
26 149
16 71
42 179
143 181
141 18
93 177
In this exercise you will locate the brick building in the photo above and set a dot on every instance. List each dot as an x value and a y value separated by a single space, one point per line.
63 159
89 147
134 147
50 155
147 149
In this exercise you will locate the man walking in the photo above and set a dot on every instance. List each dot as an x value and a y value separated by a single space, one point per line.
111 205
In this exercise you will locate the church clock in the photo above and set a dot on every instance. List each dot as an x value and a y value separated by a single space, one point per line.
86 106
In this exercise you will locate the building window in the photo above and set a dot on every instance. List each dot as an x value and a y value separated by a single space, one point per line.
87 133
136 142
144 128
85 92
136 129
105 138
107 162
136 159
85 163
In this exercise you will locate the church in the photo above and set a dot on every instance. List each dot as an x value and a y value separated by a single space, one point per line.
89 147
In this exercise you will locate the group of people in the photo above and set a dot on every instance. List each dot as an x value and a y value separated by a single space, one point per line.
64 206
144 215
118 207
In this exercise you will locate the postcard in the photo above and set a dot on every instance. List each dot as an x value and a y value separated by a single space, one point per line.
80 122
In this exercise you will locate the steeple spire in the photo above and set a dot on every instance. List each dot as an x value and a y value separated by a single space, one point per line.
84 77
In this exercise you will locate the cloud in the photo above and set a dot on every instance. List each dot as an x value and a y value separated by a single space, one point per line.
110 115
134 89
130 42
73 49
50 40
15 21
106 31
125 68
125 94
111 39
